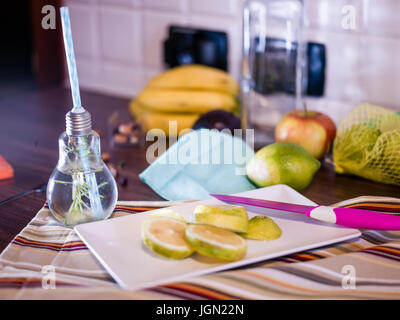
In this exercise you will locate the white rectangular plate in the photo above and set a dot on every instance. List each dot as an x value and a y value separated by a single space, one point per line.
117 244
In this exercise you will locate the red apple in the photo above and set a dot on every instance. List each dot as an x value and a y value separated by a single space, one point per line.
313 130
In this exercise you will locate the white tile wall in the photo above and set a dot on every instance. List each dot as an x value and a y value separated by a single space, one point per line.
221 7
121 35
362 64
82 1
344 64
83 25
126 3
383 17
155 27
88 71
169 5
118 79
231 27
119 43
381 71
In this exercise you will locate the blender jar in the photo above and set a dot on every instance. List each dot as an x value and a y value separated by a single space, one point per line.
273 64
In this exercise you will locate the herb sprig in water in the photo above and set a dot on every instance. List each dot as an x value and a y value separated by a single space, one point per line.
80 188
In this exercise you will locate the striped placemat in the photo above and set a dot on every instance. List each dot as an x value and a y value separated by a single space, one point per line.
49 261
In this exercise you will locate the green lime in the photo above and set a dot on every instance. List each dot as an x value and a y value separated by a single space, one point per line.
282 163
262 228
230 217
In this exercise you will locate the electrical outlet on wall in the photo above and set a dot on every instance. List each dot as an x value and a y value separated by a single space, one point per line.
187 45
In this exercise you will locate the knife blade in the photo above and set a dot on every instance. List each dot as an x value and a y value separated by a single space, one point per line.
348 217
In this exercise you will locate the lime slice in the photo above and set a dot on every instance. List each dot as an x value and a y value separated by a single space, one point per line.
215 242
166 237
166 213
229 217
262 228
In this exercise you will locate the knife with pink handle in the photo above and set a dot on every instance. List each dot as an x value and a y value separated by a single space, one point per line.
353 218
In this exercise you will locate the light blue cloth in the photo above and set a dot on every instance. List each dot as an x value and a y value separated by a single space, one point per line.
199 163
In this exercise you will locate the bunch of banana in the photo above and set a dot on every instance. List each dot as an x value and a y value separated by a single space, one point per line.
182 94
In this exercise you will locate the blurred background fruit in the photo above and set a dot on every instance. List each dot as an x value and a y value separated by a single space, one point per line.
195 77
313 130
187 101
6 170
183 94
218 119
149 119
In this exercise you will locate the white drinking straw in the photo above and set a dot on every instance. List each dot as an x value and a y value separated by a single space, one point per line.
69 52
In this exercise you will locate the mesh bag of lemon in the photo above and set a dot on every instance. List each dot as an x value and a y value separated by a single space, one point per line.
367 144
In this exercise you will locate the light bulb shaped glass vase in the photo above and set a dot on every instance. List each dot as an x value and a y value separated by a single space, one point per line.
81 188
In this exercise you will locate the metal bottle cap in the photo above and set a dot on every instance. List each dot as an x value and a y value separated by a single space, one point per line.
78 123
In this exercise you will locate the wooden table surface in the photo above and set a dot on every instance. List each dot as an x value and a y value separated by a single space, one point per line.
29 128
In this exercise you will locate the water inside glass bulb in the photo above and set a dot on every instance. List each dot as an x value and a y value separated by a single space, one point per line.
81 188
